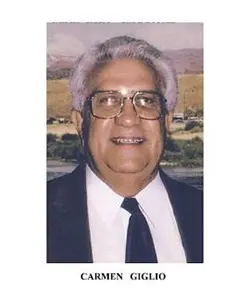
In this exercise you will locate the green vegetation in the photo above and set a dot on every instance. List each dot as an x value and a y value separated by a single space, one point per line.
189 113
186 153
193 124
68 147
51 138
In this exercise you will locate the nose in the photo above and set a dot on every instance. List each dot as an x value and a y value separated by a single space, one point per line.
128 116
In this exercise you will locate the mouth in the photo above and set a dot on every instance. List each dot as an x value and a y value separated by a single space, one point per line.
128 140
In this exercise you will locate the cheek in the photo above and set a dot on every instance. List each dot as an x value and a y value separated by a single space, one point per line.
154 135
99 134
156 143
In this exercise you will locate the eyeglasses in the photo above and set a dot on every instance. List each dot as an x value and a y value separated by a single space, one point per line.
109 104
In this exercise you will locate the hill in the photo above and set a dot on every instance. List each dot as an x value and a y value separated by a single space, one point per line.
186 61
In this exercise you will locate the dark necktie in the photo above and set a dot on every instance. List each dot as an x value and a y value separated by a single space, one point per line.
140 246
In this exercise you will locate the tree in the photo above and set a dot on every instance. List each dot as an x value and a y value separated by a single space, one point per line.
189 113
172 146
70 137
51 138
190 125
199 112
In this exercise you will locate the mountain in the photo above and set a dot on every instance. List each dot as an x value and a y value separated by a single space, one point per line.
186 61
57 62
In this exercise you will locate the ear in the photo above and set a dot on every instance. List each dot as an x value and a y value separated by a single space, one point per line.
168 121
76 118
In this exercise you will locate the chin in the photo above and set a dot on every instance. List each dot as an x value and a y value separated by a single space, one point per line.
128 167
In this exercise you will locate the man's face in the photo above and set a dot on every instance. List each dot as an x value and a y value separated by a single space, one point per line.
125 144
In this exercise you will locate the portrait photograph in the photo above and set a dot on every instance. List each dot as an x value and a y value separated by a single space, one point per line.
124 142
124 160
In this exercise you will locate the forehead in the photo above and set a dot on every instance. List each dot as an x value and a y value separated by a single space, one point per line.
129 74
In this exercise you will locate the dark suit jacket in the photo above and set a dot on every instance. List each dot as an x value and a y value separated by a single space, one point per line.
68 236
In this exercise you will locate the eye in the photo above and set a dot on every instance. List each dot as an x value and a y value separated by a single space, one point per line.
107 100
146 101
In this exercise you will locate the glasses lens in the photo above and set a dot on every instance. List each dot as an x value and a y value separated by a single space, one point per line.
148 105
106 104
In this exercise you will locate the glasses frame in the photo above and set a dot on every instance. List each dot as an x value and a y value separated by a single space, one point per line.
163 102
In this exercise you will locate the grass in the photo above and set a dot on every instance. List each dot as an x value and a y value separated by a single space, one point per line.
58 98
185 135
190 92
60 129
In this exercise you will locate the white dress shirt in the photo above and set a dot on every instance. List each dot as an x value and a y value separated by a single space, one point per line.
108 221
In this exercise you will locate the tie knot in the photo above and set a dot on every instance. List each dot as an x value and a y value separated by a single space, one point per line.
131 205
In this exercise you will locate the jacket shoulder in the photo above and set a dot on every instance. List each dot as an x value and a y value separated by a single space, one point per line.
187 203
67 221
181 189
59 184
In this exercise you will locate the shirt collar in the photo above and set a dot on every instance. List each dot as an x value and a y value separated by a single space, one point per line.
152 199
102 198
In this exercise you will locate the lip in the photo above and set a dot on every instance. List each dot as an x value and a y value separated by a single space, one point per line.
128 140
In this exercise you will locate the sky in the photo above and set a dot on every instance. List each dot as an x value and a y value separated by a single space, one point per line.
74 38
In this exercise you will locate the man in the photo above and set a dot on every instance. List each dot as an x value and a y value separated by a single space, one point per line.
118 205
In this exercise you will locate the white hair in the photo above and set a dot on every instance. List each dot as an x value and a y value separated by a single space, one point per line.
118 48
